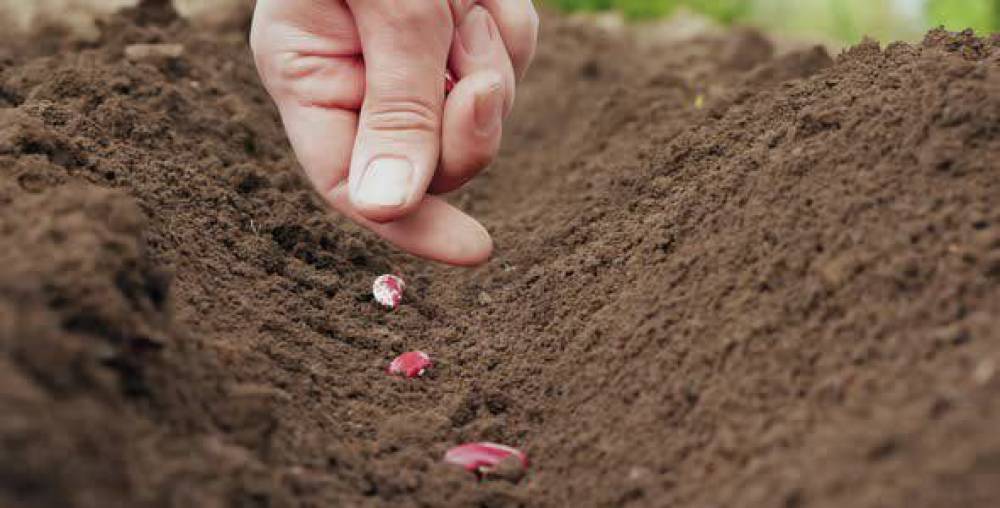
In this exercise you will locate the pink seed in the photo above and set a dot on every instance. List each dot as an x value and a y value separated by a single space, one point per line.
483 458
388 290
449 82
411 365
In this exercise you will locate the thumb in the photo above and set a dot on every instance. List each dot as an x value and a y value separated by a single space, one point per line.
405 46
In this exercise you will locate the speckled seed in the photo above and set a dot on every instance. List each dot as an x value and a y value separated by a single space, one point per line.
412 364
483 458
388 290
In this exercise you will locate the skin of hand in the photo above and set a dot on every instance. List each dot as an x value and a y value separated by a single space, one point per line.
360 85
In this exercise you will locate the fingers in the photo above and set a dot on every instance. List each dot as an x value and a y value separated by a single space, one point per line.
473 121
317 97
435 231
518 23
405 45
475 109
479 47
310 56
307 55
322 139
318 80
304 26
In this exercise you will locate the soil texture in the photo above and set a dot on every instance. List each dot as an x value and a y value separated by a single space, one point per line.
724 277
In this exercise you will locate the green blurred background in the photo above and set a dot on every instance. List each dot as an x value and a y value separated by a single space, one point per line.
845 21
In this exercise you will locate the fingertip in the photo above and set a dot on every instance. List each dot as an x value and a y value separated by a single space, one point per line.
435 230
478 248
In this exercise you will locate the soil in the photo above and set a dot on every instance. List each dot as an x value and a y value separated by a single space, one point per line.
789 296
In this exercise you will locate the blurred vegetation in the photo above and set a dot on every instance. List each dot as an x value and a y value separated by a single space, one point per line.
844 20
724 10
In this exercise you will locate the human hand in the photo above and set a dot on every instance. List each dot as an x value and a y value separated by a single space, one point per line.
360 85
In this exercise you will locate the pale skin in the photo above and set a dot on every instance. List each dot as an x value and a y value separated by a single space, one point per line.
360 85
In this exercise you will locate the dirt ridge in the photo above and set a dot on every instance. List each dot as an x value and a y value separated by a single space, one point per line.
715 285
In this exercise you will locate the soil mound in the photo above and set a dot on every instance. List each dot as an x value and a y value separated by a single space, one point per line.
714 286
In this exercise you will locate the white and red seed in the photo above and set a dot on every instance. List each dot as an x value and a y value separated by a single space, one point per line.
483 458
411 365
388 290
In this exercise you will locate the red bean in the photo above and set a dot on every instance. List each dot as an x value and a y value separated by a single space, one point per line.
411 365
483 458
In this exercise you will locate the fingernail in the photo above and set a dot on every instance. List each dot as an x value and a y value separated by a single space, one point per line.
477 32
489 109
386 182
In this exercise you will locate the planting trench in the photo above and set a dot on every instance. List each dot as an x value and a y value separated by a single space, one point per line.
788 296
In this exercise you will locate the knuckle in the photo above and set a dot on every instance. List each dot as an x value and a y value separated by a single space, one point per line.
312 80
287 70
399 115
324 81
292 67
270 63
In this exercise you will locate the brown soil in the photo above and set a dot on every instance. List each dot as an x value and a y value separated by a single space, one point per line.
789 297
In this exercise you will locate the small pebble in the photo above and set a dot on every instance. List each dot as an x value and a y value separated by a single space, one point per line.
984 371
388 290
485 298
411 365
485 458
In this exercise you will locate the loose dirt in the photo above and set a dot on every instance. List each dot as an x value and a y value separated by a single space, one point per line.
789 296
